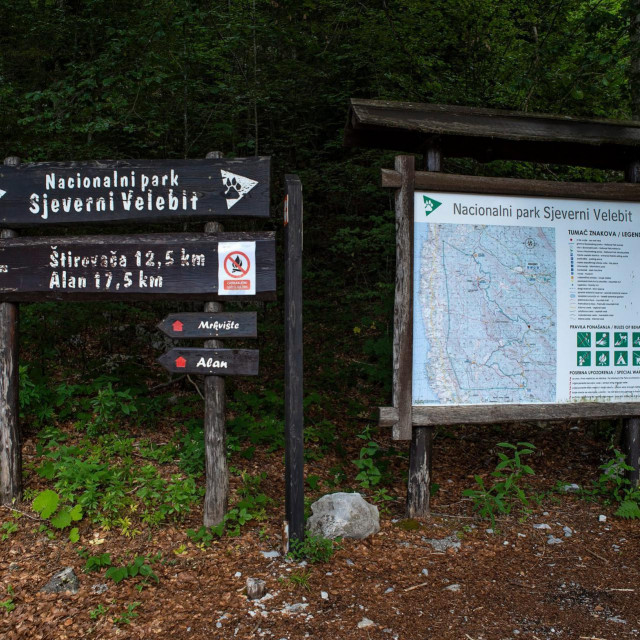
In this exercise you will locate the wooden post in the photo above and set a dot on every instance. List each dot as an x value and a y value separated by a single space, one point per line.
293 385
420 453
403 310
10 451
631 426
215 441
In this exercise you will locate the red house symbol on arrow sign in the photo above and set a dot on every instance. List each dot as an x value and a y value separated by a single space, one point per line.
177 326
181 363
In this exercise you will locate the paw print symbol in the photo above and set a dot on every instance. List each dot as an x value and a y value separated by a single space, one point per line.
428 206
233 188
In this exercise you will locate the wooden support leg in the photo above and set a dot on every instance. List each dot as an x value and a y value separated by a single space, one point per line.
10 445
632 448
631 426
418 489
10 453
215 442
216 497
293 388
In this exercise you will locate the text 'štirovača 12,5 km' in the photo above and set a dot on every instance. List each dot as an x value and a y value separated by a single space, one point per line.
525 300
140 190
138 266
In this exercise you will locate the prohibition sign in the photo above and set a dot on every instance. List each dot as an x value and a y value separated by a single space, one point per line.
237 263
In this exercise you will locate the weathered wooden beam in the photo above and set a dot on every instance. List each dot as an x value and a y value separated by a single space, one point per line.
454 183
500 413
421 449
216 498
293 380
631 426
419 482
403 309
489 134
10 446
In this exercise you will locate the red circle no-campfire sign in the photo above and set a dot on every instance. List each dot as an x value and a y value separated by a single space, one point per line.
237 264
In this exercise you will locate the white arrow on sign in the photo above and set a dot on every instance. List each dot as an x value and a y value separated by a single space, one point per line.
237 186
2 193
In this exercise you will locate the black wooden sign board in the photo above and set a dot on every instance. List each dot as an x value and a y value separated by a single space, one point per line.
126 267
49 193
210 325
212 362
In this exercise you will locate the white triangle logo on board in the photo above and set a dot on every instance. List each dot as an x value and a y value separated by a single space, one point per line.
236 187
2 193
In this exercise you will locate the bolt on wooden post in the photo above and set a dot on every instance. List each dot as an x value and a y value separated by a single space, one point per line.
10 450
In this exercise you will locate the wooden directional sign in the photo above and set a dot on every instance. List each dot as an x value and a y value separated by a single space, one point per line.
127 267
49 193
212 362
210 325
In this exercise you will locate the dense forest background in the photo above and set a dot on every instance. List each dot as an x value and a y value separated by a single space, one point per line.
97 79
90 79
113 445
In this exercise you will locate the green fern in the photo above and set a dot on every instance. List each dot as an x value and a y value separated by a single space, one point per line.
629 509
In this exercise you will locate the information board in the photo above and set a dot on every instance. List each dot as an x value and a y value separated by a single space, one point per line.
524 300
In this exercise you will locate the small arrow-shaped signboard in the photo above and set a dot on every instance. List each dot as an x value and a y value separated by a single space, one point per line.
210 325
212 362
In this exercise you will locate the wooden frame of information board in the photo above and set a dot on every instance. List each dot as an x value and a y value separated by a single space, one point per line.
416 423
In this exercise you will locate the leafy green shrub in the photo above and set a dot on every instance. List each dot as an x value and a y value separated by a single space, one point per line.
191 448
614 487
251 506
46 504
7 529
372 461
313 548
128 615
103 478
107 406
138 567
8 605
95 563
507 492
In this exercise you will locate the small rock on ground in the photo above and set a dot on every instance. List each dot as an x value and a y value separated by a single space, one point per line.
65 580
295 608
99 589
365 622
451 542
344 515
256 588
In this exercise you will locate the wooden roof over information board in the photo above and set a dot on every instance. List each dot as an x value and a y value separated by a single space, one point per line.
490 134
